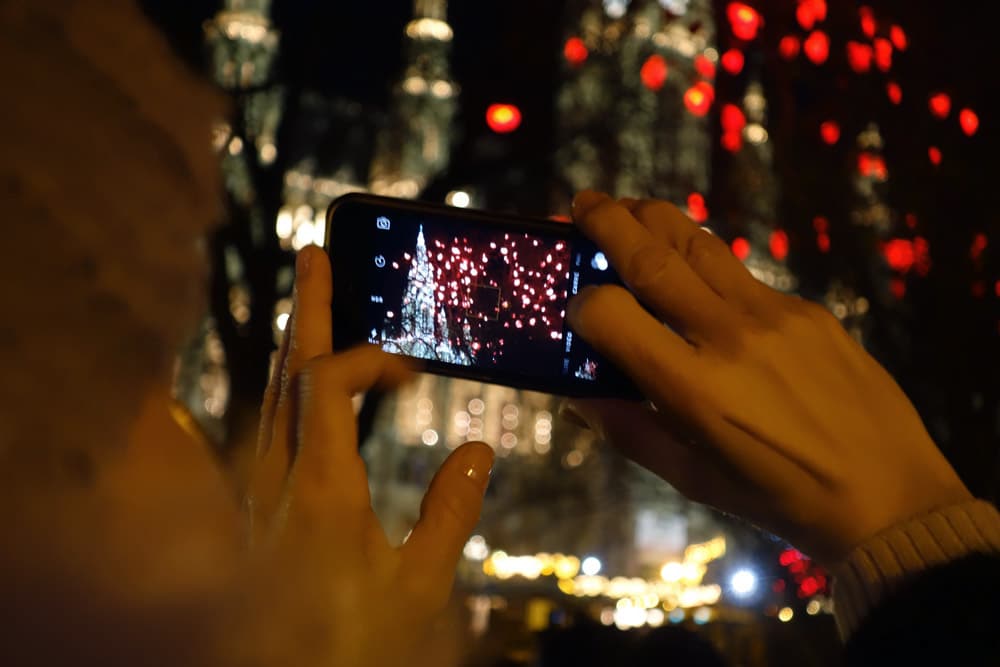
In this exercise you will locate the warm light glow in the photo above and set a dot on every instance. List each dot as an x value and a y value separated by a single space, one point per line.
654 72
785 614
743 583
789 47
883 54
282 321
830 132
704 67
732 141
503 118
940 105
817 47
969 121
732 61
696 207
427 28
741 248
744 19
859 56
459 198
575 51
732 117
698 98
899 254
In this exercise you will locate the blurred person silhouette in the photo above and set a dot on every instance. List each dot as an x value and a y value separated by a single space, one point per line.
125 543
671 644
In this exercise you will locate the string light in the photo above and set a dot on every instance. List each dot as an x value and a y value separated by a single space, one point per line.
830 132
732 61
898 37
698 98
867 21
940 105
894 92
503 118
817 47
789 47
741 248
654 72
935 156
575 51
859 56
883 54
969 121
744 19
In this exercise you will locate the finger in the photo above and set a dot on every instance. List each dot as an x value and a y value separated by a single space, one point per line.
311 329
705 253
656 272
328 474
657 444
449 512
269 404
658 360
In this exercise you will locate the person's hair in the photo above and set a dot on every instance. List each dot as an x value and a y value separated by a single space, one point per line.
108 182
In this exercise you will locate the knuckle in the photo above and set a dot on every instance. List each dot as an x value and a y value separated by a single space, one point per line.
650 267
656 208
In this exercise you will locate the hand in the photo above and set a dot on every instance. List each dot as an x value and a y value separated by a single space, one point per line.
762 405
365 601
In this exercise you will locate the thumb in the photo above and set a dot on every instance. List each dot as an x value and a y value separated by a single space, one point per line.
449 512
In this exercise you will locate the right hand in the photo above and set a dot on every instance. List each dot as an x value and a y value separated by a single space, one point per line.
762 405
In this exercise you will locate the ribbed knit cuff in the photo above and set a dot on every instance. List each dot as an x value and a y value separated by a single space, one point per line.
881 564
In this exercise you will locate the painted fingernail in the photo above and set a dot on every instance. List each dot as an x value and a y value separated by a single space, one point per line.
479 469
302 263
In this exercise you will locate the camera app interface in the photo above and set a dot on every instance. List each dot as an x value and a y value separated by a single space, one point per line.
476 294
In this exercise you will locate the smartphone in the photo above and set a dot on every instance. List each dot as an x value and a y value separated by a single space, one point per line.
470 294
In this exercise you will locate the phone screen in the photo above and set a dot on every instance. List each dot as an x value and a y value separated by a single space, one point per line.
477 295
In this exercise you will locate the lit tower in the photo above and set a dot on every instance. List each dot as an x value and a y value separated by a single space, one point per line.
415 146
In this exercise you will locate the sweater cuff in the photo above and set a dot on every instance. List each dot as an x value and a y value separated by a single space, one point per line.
877 567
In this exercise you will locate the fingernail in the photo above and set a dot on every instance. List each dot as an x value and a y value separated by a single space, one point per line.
479 468
569 414
586 200
302 263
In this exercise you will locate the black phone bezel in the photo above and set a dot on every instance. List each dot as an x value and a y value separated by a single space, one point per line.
350 298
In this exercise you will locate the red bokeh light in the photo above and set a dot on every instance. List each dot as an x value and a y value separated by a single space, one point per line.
830 132
859 56
698 98
789 556
823 242
732 141
821 224
996 288
898 37
935 156
899 254
696 207
654 72
969 121
897 286
806 16
922 255
503 118
789 47
979 244
940 104
732 118
744 19
575 51
979 289
809 586
778 586
779 244
732 61
704 67
817 47
867 21
894 92
741 248
883 54
872 166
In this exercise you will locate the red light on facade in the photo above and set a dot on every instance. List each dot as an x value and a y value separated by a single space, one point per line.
503 118
732 118
698 98
744 20
883 54
859 56
654 72
940 105
969 121
830 132
732 141
696 207
935 156
779 245
979 243
899 254
732 61
704 67
898 37
575 51
867 21
894 92
817 47
789 47
897 286
741 248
